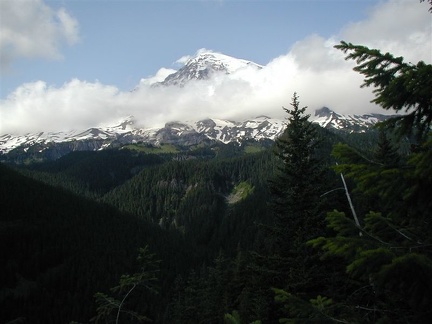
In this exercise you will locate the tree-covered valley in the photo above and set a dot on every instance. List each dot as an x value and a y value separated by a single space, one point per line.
72 227
319 226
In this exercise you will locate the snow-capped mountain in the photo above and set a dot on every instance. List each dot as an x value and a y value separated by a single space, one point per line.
53 145
225 131
327 118
206 64
180 133
9 142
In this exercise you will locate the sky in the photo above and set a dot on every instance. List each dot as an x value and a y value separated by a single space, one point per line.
71 64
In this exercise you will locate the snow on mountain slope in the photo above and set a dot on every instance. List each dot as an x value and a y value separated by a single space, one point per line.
327 118
204 65
8 141
185 133
228 131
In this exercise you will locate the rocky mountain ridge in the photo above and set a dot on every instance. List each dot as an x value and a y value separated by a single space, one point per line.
186 134
327 118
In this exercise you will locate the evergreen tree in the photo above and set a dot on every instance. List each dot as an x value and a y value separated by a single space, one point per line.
390 265
297 186
399 86
146 278
385 153
388 255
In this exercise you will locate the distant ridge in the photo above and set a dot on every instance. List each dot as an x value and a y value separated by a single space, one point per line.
57 144
329 119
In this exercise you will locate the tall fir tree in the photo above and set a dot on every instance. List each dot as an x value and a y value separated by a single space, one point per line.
386 153
388 255
296 188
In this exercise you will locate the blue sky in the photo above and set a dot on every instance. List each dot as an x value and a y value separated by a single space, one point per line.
122 41
98 50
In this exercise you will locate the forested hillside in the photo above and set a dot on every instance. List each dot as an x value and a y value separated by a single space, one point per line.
216 220
58 249
320 227
79 232
50 234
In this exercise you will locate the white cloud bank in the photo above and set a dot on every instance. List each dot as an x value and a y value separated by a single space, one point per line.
312 68
31 29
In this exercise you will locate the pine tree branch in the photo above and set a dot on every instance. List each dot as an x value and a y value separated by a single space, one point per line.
398 231
430 2
398 85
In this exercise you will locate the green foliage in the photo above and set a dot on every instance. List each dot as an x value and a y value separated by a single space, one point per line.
146 278
297 197
251 148
239 192
58 249
387 254
296 188
399 190
376 181
409 278
92 173
190 197
146 148
233 318
187 199
297 310
385 153
383 258
398 86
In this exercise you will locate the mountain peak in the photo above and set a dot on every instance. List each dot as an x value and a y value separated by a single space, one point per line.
204 65
219 61
324 112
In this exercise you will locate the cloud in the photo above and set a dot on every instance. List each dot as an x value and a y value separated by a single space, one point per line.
183 59
31 29
160 75
401 27
313 68
36 106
